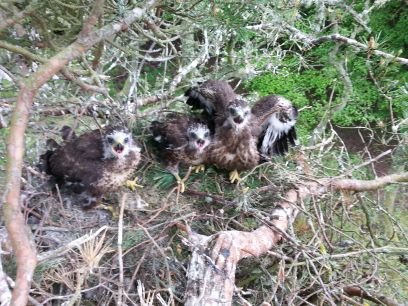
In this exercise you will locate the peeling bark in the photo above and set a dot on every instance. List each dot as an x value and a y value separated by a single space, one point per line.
211 274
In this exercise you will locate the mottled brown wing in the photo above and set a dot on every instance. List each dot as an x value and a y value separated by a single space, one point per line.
89 145
78 160
276 117
170 134
213 96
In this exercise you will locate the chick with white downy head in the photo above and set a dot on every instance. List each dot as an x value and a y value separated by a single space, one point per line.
198 137
238 114
118 143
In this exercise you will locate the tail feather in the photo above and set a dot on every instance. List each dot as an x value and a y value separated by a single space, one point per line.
292 136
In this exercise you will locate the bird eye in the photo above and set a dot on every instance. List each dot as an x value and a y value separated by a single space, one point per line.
110 140
233 111
126 140
206 134
193 135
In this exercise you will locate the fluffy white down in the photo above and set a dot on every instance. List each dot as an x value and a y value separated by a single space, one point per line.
119 137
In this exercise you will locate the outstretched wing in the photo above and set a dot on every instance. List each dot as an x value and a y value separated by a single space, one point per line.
277 118
213 97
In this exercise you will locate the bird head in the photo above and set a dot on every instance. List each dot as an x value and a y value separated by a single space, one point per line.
198 136
118 142
238 113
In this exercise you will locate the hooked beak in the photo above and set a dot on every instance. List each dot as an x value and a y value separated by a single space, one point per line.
118 148
200 143
238 119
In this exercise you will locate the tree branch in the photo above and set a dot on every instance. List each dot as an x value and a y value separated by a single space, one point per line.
64 71
211 275
15 223
357 291
314 41
6 23
311 41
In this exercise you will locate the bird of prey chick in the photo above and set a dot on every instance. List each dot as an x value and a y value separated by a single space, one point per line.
93 164
243 136
181 140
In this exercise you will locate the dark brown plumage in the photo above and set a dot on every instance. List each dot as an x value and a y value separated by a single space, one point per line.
214 98
276 117
243 137
181 140
93 164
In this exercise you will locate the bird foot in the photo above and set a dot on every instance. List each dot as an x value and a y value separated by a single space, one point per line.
112 209
245 190
234 176
199 168
132 184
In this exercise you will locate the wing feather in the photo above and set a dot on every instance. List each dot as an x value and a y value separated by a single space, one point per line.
213 97
277 118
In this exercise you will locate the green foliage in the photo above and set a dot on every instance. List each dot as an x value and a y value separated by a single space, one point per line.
3 136
391 23
8 89
311 89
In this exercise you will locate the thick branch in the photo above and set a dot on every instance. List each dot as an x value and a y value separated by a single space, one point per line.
211 277
314 41
64 71
25 252
359 292
362 185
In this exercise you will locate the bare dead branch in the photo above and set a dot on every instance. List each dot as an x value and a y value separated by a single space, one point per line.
211 277
69 246
312 41
120 249
360 292
66 72
18 16
367 185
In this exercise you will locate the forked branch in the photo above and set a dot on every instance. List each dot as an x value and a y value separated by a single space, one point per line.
211 275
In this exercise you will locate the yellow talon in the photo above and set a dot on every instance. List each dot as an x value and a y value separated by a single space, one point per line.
199 168
245 190
132 184
112 209
181 187
234 176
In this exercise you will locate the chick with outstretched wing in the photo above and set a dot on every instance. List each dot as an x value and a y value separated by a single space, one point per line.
243 136
276 116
